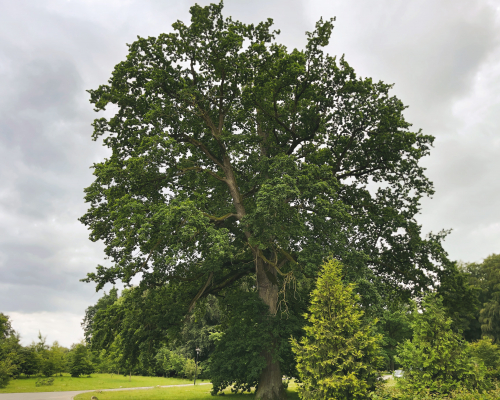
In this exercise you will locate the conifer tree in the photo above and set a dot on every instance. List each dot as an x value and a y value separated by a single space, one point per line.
338 355
437 360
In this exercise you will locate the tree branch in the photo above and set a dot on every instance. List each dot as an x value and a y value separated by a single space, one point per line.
184 170
218 219
200 293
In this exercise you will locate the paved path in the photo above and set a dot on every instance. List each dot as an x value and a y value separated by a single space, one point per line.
70 395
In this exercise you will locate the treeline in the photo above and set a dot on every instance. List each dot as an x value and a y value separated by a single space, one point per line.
44 360
139 333
469 294
120 338
39 358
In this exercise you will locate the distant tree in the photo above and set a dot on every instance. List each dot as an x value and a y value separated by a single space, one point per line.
30 361
489 316
171 362
48 366
41 346
484 279
80 363
437 359
9 344
338 356
460 300
5 326
57 355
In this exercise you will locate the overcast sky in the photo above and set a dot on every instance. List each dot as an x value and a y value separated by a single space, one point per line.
443 57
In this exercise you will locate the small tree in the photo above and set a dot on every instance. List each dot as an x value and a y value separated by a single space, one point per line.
437 360
30 361
338 355
80 363
57 353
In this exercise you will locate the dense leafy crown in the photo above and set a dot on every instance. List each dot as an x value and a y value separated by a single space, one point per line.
226 146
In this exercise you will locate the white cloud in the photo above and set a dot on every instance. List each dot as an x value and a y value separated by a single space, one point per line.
63 327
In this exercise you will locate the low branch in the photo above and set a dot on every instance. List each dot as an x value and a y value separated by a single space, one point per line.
228 280
199 169
218 219
200 293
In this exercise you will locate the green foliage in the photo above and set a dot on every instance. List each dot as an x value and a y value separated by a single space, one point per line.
171 362
9 348
48 367
5 326
489 354
460 300
57 354
197 188
437 359
395 326
6 370
88 321
237 359
80 363
197 329
229 151
484 279
30 361
490 313
338 355
190 369
391 393
44 382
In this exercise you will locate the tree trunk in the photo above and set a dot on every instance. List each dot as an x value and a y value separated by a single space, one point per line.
270 382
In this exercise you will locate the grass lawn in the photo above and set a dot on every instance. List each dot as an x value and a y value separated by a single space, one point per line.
178 393
96 381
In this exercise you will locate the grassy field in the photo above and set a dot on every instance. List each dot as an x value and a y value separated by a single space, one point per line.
96 381
201 392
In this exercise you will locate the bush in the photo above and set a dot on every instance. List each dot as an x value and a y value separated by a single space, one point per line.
392 393
44 382
438 360
489 354
190 369
338 355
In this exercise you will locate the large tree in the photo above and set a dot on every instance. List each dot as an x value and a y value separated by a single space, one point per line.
234 159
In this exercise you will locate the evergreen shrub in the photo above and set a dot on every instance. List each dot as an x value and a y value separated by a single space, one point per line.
338 356
438 360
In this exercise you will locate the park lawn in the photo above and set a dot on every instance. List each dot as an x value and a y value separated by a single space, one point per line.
96 381
201 392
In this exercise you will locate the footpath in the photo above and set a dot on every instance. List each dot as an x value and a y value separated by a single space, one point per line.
70 395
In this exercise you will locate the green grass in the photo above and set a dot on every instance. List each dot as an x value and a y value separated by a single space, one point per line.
96 381
201 392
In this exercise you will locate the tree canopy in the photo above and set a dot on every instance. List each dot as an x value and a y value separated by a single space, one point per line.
237 160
